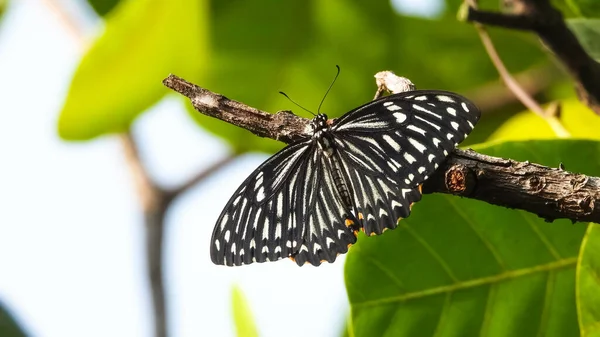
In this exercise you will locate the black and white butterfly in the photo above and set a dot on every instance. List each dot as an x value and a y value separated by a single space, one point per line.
362 171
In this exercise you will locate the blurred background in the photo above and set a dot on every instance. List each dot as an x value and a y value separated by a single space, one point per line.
73 73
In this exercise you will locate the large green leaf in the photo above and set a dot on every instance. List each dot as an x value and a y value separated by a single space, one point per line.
588 283
120 76
588 34
242 315
461 267
587 8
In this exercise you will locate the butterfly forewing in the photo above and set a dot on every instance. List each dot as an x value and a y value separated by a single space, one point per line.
392 145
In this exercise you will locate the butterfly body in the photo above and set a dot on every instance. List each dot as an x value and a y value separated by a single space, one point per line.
361 171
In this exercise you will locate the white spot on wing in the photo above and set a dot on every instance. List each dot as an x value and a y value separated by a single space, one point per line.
400 117
260 195
449 136
278 231
464 106
421 98
430 157
451 111
409 158
226 236
417 145
233 247
454 125
443 98
437 127
421 169
471 124
217 244
391 142
416 129
329 241
420 108
388 103
394 108
224 221
436 142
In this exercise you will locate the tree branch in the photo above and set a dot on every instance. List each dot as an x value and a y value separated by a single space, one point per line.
551 193
283 126
154 206
541 18
547 192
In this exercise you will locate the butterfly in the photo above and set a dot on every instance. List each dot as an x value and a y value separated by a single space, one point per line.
362 171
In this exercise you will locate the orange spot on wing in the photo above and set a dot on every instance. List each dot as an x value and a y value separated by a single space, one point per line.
349 222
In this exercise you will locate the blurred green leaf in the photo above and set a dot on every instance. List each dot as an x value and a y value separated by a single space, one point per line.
242 315
121 74
588 34
588 283
262 47
103 7
8 325
461 267
3 6
587 8
577 118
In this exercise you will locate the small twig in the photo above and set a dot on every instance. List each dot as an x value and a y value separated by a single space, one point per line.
549 193
547 22
513 85
495 95
199 177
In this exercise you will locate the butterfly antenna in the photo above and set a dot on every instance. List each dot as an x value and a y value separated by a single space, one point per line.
331 85
300 106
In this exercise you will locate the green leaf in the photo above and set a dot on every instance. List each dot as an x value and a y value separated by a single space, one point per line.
121 74
8 325
461 267
588 34
242 315
588 283
576 118
103 7
587 8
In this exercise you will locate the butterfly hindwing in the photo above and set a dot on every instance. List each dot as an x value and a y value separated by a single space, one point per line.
288 207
